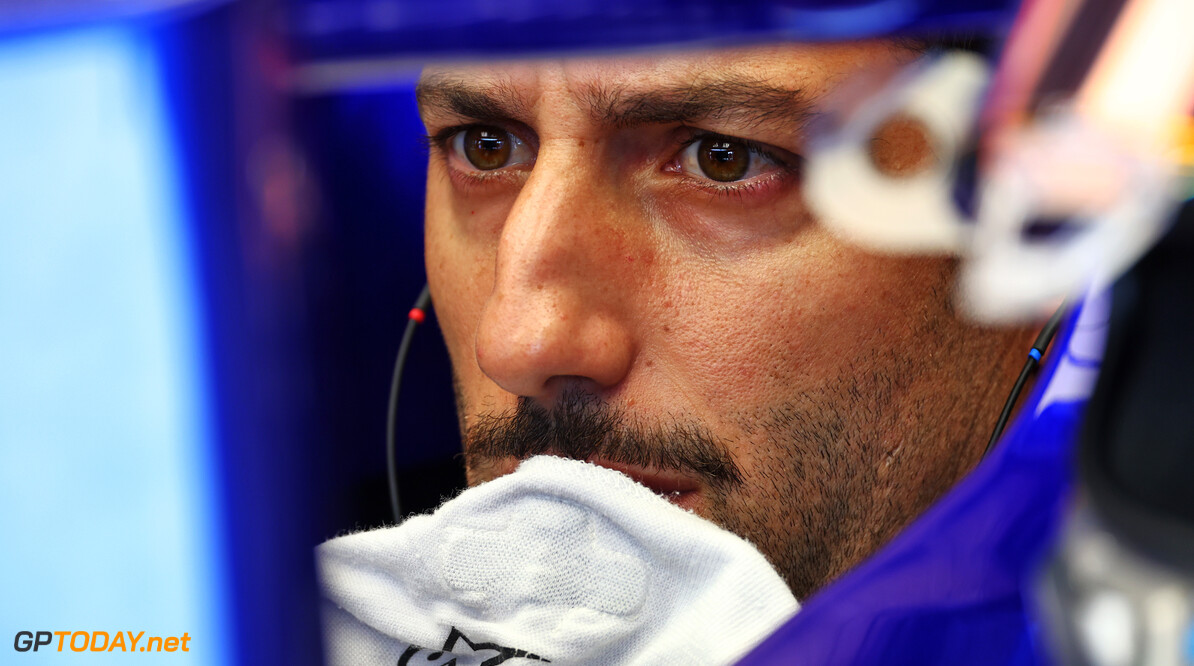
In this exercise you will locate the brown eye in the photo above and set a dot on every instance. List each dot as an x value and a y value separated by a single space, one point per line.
487 148
723 160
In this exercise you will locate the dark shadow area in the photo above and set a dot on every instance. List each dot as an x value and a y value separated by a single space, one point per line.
363 270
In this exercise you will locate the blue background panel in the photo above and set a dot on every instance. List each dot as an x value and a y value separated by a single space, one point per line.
107 499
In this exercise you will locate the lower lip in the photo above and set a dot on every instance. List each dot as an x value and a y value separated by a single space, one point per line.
687 500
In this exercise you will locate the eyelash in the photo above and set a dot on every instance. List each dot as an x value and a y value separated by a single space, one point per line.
440 139
440 143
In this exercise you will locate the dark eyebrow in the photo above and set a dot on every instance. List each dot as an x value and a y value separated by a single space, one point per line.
750 102
493 101
745 101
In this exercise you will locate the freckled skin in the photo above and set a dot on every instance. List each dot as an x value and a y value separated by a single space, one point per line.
843 384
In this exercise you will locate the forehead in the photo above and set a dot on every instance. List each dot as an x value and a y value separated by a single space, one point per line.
749 76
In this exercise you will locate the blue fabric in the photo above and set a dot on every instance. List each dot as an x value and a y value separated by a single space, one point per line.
355 29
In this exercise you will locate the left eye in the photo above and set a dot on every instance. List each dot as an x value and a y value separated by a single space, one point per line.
724 159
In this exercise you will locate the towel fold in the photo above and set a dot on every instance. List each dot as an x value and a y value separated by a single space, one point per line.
562 562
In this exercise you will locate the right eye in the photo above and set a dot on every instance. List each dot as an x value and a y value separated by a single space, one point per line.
487 148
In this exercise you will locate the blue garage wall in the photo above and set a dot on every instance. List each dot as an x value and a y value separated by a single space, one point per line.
108 503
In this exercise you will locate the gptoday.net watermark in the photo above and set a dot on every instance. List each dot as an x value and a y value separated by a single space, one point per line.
99 641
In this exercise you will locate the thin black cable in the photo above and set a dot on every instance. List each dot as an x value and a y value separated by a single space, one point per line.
1034 358
413 321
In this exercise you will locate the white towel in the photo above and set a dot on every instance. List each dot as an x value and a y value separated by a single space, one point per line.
561 562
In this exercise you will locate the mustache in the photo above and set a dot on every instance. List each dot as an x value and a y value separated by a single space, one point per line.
580 427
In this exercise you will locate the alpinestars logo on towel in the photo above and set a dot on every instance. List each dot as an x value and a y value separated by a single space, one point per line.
417 656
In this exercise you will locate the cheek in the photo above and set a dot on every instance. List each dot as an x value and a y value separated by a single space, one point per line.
762 329
460 268
737 342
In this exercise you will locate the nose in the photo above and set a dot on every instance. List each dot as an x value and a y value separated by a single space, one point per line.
557 313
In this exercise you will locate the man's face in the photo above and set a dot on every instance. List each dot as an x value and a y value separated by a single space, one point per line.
625 270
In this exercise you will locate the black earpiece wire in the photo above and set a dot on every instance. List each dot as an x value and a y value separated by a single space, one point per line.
416 316
1034 359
